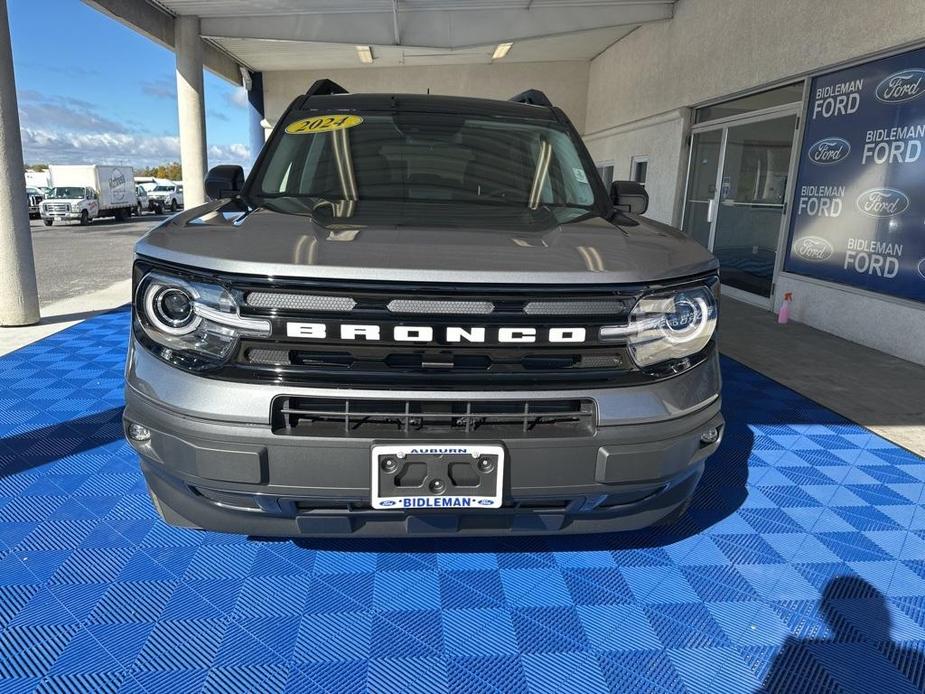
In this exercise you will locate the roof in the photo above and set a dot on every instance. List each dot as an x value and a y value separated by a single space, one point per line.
268 35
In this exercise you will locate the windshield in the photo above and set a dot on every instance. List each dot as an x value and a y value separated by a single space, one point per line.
166 189
444 160
68 192
32 191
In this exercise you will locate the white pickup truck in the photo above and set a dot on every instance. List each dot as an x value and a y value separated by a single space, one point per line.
83 193
167 196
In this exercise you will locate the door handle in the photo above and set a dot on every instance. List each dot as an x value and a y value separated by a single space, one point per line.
711 210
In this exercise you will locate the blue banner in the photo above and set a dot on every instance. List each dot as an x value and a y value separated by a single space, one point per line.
859 204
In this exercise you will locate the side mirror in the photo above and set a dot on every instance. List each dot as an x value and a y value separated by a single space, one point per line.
629 196
224 181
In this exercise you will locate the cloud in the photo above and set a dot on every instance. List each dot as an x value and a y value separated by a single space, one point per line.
217 115
38 110
229 154
237 97
67 130
162 88
116 148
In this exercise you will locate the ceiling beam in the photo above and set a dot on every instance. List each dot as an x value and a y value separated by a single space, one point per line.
436 29
157 25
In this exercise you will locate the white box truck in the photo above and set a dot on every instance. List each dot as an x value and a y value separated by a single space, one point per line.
84 192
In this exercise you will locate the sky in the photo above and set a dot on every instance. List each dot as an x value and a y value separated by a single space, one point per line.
92 91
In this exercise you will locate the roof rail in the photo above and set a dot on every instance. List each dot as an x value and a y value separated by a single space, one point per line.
325 87
534 97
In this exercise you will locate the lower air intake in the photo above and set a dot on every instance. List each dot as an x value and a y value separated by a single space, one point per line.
305 416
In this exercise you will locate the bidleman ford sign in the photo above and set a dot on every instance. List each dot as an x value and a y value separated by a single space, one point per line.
859 207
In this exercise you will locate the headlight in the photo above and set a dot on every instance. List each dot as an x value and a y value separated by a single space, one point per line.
668 325
191 323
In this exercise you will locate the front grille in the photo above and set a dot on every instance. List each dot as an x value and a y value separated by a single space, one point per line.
461 363
300 302
57 207
436 336
343 417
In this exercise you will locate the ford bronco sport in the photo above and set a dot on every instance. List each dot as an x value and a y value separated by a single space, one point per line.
421 315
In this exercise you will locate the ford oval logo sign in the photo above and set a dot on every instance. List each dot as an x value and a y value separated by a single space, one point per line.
904 85
813 248
830 150
883 202
921 268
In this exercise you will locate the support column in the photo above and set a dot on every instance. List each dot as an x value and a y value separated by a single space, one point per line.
191 108
19 302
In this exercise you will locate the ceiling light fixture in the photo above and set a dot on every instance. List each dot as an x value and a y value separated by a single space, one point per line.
365 54
501 50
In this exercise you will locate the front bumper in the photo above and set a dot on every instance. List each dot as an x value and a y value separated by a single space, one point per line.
210 465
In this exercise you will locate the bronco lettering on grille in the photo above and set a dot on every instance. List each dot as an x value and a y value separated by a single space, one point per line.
426 333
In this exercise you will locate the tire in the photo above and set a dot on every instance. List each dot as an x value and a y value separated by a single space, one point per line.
84 218
159 208
138 210
48 222
173 206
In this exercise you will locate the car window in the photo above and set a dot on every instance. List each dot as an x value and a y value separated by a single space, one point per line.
430 156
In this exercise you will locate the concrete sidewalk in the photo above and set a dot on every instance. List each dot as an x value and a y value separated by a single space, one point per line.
879 391
65 313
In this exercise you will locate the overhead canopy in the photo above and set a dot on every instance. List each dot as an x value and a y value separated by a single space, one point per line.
296 35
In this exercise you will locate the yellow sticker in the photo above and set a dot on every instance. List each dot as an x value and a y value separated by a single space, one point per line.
322 124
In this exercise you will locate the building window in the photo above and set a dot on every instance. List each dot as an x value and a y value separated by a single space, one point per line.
639 167
605 171
788 94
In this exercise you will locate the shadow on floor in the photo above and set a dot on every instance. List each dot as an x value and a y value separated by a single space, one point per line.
71 317
37 447
859 649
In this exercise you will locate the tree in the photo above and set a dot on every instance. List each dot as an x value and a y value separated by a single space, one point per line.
172 171
36 167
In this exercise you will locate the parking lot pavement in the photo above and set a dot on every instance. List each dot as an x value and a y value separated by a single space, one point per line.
73 261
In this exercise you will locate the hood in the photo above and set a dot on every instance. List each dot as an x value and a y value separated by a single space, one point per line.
485 246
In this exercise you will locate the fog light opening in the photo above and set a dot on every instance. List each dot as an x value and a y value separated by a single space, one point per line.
136 432
710 436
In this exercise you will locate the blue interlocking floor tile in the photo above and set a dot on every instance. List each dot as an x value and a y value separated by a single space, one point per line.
800 567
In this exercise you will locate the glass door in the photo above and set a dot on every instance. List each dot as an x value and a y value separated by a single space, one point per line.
700 205
737 185
747 229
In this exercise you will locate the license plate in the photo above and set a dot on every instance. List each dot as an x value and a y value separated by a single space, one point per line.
448 477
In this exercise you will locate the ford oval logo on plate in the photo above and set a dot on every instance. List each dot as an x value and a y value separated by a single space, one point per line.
883 202
829 150
921 268
813 248
904 85
388 502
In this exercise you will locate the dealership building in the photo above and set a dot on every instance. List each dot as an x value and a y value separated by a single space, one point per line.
785 136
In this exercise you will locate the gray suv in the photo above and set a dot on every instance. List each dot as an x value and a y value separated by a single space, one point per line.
421 315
